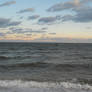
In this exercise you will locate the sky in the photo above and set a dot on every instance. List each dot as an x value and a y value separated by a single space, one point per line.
68 21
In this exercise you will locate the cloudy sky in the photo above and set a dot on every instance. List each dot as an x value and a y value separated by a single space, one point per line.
46 20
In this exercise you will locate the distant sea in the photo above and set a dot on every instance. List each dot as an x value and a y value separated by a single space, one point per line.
45 67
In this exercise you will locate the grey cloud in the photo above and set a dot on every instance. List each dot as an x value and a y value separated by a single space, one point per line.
88 27
68 5
28 34
83 14
44 28
85 2
48 20
14 23
67 18
16 30
26 10
21 17
9 32
81 11
8 3
33 17
52 33
61 6
5 22
25 30
2 34
38 31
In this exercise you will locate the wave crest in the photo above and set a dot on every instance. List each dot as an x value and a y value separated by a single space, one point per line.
4 57
20 83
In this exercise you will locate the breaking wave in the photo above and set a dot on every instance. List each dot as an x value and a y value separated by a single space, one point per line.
30 84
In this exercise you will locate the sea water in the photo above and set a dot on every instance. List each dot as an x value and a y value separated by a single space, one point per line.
45 67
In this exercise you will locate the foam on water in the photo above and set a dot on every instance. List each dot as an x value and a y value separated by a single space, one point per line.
27 86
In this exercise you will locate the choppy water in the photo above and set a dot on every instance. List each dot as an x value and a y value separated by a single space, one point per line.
45 67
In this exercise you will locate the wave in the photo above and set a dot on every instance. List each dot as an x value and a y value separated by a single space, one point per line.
18 57
36 64
4 57
51 65
30 84
15 57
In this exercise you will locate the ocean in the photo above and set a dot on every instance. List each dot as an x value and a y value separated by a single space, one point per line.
45 67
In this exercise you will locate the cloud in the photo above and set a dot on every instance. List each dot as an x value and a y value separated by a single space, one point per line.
28 34
44 28
8 3
88 27
33 17
68 5
84 1
67 18
16 30
5 22
81 11
52 33
49 20
83 14
26 10
2 34
21 17
14 23
62 6
25 30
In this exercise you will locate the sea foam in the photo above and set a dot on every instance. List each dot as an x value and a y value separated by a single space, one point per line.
32 84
